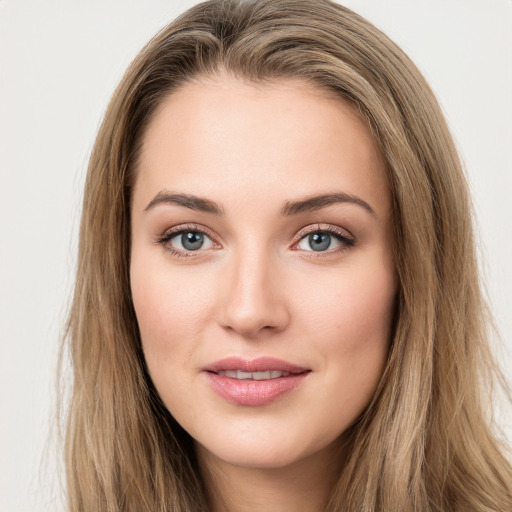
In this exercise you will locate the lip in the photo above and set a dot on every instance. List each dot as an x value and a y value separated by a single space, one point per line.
254 392
260 364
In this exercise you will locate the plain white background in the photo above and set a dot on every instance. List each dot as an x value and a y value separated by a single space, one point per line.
59 63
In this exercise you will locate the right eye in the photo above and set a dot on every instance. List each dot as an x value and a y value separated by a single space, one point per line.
186 240
190 241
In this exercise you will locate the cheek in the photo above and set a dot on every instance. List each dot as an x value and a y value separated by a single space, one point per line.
351 322
366 310
171 308
358 305
170 314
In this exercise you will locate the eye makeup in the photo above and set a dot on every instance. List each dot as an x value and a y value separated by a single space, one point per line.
319 234
196 239
166 238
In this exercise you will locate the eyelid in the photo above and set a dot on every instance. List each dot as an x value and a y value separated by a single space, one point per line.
343 235
170 233
174 230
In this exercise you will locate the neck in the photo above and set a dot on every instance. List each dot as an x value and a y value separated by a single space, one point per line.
302 485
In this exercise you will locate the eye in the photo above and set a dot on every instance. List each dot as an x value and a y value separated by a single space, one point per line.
191 241
319 241
325 240
183 240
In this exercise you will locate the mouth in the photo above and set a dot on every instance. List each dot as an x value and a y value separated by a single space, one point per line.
241 375
254 382
260 368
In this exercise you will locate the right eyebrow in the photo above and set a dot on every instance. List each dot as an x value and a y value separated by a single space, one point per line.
188 201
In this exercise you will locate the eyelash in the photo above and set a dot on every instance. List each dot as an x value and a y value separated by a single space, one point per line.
164 239
339 234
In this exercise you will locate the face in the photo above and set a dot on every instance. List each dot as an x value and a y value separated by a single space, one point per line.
261 267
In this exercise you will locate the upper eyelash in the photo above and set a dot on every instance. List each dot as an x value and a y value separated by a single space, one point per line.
172 232
331 230
338 233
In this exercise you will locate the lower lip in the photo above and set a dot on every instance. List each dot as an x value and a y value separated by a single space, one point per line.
253 392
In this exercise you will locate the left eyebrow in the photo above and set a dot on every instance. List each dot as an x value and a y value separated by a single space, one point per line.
314 203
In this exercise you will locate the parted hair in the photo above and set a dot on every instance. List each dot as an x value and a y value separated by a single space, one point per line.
426 441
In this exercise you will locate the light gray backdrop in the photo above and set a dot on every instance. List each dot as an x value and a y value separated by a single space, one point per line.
59 63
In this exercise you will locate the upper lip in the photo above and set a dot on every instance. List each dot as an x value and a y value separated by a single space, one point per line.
260 364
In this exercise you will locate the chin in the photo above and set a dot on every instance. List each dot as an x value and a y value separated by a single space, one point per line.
262 453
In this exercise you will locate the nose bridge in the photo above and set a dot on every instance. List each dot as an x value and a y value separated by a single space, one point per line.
254 299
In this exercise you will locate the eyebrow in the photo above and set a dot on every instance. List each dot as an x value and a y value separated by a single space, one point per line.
308 204
314 203
187 200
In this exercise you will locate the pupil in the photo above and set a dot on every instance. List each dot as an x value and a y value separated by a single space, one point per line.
319 241
192 241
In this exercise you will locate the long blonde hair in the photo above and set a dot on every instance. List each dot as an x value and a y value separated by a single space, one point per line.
425 441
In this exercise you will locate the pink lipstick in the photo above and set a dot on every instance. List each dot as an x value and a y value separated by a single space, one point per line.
253 382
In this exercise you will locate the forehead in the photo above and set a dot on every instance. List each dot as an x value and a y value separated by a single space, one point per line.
270 139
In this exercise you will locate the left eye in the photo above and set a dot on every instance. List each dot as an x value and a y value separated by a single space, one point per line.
190 241
320 241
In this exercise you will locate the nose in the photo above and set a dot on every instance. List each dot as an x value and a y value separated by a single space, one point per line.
255 299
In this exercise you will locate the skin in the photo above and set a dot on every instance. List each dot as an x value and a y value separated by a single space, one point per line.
256 287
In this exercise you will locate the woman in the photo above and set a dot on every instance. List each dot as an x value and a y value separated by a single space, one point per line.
277 304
